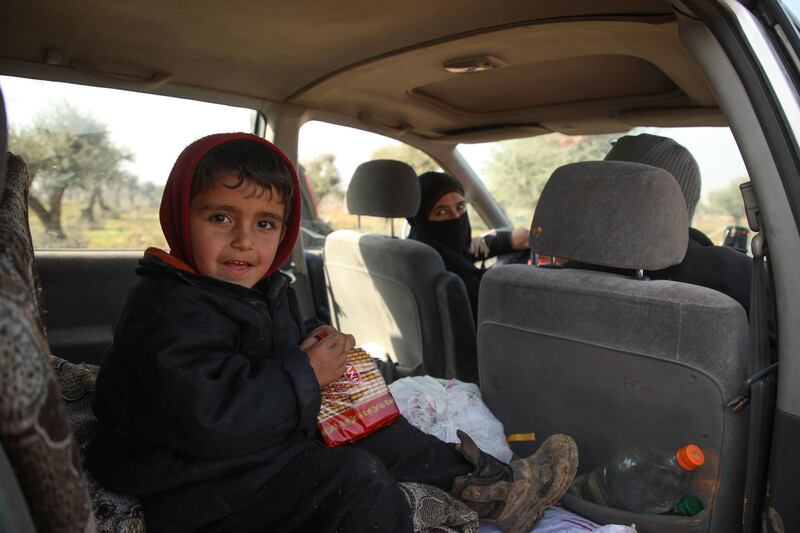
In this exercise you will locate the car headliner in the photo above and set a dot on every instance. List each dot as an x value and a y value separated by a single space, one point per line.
579 66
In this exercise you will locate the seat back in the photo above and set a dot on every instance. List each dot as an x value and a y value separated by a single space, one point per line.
614 360
14 514
97 283
395 292
34 430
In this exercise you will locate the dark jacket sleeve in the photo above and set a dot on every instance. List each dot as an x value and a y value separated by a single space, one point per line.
183 383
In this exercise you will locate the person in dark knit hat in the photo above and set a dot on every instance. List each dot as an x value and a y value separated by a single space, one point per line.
665 153
716 267
442 223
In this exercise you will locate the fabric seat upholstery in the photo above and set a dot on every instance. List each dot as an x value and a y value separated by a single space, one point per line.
34 430
396 292
613 360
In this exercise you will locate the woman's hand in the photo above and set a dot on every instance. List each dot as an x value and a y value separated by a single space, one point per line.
327 356
520 238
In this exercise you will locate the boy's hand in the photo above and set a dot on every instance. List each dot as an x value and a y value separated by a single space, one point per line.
329 355
317 335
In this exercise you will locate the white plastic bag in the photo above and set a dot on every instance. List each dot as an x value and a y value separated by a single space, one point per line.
558 520
440 407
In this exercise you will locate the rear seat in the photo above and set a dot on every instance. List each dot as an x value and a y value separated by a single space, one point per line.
613 360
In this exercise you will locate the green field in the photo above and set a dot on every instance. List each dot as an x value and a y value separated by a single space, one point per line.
133 229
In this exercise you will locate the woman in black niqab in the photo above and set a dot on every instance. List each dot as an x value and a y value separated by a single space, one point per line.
442 222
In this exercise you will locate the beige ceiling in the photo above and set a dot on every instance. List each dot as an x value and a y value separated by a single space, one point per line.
575 65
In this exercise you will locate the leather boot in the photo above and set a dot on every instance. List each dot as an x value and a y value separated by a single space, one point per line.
515 496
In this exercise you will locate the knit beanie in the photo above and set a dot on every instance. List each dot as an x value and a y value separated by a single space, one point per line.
665 153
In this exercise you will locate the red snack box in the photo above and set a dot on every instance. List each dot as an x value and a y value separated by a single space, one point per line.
356 405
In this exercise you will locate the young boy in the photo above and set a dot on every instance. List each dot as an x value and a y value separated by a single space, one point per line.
208 398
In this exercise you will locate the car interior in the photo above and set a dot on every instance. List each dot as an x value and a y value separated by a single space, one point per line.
612 358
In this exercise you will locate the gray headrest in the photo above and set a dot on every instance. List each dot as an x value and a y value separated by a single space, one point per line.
384 188
612 213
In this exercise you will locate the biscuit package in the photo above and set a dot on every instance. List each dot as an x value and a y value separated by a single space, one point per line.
356 405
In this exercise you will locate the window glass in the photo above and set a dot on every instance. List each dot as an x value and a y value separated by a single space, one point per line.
792 6
329 154
515 171
100 157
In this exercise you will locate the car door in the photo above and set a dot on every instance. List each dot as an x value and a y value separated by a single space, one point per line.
749 54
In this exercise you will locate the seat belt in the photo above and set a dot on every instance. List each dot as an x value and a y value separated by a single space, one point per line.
761 387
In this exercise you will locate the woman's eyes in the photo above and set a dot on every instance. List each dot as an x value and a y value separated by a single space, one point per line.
443 211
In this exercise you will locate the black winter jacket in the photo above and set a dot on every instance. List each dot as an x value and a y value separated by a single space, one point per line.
203 396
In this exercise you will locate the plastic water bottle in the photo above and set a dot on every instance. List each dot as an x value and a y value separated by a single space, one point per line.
641 480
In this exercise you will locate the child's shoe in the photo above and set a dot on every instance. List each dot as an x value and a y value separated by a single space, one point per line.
515 496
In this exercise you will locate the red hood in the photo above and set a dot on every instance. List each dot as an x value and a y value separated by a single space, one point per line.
174 213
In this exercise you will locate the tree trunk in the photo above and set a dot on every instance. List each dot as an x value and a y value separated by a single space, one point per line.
87 213
52 218
107 209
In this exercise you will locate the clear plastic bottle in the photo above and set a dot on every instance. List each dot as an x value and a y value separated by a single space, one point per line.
641 480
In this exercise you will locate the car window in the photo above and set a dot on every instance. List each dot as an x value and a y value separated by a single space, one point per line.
99 158
515 171
329 154
792 6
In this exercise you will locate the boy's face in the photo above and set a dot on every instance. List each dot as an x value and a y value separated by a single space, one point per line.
235 233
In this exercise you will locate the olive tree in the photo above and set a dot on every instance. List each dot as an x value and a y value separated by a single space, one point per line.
417 159
66 148
727 201
519 169
323 176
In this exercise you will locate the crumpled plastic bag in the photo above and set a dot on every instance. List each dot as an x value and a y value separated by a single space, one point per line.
440 407
558 520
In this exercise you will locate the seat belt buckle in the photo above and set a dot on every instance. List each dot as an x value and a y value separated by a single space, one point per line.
738 403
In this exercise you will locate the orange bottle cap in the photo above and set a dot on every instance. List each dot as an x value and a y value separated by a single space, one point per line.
690 457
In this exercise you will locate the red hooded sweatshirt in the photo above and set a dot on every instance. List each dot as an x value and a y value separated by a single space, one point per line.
174 213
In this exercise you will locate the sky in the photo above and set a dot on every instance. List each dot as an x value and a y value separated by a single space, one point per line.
157 128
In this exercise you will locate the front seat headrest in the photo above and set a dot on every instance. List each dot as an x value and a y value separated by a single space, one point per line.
612 213
384 188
